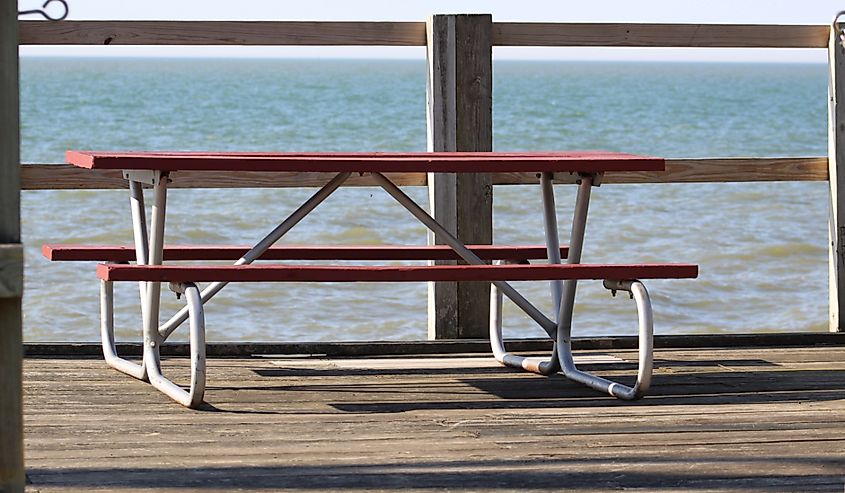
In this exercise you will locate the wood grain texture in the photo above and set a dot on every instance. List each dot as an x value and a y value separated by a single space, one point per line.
393 273
460 119
10 173
11 258
474 133
836 170
69 177
797 341
701 170
682 170
732 420
715 170
11 399
413 34
660 35
11 270
441 129
251 33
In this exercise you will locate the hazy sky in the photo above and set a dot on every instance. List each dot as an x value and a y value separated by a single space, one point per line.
669 11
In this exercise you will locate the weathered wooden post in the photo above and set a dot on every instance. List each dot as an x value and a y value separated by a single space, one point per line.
836 166
460 118
11 259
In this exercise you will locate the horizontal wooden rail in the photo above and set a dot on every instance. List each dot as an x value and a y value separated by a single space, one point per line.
292 33
661 35
67 177
259 33
703 170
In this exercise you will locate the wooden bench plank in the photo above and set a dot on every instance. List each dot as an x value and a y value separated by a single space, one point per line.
126 253
370 162
324 273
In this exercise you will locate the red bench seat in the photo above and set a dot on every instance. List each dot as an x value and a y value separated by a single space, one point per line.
126 253
334 273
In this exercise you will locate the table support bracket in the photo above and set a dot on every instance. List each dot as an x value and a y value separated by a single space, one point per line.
461 249
262 246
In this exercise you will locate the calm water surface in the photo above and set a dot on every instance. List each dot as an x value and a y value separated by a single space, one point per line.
761 247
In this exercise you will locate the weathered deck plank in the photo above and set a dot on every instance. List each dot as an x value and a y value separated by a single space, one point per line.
744 419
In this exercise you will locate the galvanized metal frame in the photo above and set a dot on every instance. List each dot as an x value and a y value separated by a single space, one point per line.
563 294
149 251
262 246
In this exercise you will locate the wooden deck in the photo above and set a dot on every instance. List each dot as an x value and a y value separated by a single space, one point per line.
728 419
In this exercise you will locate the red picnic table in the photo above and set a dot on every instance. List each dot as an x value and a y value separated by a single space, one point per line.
153 168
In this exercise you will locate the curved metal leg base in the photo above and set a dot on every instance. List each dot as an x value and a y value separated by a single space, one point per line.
192 397
107 336
150 368
549 367
646 349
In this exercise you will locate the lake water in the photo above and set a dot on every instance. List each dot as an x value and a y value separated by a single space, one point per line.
761 246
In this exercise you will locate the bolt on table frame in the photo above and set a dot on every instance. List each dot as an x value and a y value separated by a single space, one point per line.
149 251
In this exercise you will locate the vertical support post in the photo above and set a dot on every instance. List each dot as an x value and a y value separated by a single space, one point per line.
460 118
836 165
12 477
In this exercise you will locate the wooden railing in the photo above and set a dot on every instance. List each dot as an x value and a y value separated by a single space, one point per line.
460 111
688 170
414 34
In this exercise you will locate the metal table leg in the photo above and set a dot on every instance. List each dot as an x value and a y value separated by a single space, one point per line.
139 229
107 335
193 396
547 367
563 339
550 366
563 294
149 251
152 252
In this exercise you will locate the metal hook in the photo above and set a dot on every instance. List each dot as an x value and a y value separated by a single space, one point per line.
44 13
835 24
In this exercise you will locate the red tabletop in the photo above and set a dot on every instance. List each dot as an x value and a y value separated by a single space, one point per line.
369 162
